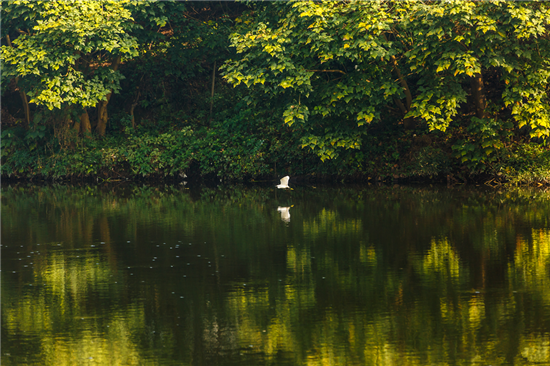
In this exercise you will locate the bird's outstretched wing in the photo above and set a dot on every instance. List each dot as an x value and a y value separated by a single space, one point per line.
284 180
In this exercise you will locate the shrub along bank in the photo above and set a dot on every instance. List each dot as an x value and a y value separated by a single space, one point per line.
219 153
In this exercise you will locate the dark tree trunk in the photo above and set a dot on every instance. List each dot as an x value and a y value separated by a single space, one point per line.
478 95
26 109
212 94
22 94
102 115
85 125
403 83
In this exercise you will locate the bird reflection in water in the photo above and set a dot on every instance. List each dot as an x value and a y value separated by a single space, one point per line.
285 213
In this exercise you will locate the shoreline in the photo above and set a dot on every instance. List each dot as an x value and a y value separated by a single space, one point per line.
491 181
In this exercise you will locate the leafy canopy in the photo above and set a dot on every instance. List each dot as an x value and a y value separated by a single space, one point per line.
336 67
62 51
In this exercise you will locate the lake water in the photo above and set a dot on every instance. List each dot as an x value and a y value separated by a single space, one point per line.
375 275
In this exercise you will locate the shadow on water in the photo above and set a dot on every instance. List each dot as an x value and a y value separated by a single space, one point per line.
252 275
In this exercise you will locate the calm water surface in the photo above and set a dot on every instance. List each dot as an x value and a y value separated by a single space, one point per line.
137 275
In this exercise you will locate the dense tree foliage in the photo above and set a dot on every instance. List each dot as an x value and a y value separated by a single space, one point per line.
348 88
342 65
68 55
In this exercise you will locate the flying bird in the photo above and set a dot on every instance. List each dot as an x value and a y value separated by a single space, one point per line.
284 183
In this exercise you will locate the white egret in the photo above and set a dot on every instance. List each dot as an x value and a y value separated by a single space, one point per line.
284 183
285 213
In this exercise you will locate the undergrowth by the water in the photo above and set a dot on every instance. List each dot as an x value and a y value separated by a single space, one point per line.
220 154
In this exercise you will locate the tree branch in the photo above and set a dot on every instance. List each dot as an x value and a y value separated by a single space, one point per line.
403 82
340 71
400 105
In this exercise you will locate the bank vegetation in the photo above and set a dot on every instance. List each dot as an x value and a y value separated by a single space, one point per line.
238 91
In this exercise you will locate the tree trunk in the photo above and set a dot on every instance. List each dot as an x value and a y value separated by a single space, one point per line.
85 125
134 105
478 94
408 123
400 105
76 126
66 122
26 109
22 94
132 115
102 115
212 96
403 83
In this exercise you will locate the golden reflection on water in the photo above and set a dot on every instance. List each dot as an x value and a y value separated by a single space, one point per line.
535 349
58 315
440 259
531 264
340 295
328 223
375 334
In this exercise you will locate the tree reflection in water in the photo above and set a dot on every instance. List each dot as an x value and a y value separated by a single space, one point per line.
212 276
